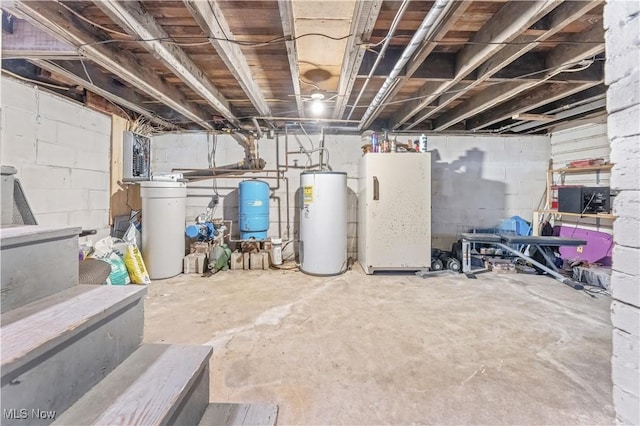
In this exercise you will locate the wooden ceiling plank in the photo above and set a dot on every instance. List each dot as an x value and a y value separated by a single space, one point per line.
59 21
554 21
132 17
557 61
286 16
103 86
212 21
529 101
509 22
364 19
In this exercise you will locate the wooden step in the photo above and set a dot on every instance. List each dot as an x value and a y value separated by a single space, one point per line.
37 261
54 350
157 384
218 414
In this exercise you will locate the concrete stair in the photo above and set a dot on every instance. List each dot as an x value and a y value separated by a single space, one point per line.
73 355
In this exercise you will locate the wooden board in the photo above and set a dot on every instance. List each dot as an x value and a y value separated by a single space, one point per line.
148 388
123 198
37 261
33 335
240 414
56 349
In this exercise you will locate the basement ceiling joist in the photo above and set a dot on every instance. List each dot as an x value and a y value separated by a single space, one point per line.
206 63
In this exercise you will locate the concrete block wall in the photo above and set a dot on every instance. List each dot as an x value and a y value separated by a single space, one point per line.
476 180
62 153
479 180
622 75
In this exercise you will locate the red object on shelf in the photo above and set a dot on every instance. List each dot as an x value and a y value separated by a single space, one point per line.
554 204
587 163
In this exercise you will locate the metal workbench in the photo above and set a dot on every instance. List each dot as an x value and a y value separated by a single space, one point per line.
539 243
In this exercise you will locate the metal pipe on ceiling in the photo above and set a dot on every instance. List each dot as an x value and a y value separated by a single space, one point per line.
388 37
430 22
258 129
298 119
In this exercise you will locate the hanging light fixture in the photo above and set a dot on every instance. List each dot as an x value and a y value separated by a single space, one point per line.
317 104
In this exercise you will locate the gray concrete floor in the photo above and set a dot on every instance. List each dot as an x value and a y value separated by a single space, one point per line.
357 349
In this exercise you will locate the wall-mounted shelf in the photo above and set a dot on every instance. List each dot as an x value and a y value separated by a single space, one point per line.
605 168
596 216
588 169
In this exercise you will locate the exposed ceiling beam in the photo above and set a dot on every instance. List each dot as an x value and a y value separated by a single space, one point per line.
531 66
136 21
288 29
558 60
505 25
533 117
103 86
531 100
64 24
441 66
555 21
27 41
364 19
211 19
561 116
445 23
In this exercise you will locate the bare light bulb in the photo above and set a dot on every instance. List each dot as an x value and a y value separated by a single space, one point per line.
317 107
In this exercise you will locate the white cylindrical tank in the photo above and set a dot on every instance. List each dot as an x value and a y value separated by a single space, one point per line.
163 214
323 223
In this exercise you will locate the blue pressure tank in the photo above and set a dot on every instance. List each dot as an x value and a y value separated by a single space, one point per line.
253 203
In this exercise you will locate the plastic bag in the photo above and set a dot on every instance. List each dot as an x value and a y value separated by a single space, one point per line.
135 265
133 258
106 246
130 236
119 274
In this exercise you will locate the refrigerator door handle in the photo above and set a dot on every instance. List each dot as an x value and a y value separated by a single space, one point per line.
376 188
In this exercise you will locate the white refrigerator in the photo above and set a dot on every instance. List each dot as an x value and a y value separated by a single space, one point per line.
394 212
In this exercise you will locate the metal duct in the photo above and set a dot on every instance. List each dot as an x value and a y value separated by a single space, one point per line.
430 22
394 25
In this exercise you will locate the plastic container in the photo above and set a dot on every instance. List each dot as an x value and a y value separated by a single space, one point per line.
276 251
253 209
423 143
163 218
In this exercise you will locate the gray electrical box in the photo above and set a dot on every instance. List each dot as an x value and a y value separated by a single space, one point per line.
136 161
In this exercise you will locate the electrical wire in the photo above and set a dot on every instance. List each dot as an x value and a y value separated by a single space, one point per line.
19 77
309 83
172 40
88 21
84 67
